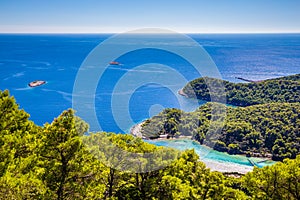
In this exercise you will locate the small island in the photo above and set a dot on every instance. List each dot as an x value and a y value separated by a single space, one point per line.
36 83
114 63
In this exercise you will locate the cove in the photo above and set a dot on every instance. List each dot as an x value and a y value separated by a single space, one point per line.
215 160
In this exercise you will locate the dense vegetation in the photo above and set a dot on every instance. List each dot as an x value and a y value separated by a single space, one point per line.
261 129
53 162
285 89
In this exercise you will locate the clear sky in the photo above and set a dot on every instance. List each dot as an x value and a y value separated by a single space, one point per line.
112 16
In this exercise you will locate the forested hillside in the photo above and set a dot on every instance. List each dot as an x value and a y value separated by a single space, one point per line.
264 129
285 89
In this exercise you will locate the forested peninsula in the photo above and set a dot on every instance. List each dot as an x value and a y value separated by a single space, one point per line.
284 89
61 160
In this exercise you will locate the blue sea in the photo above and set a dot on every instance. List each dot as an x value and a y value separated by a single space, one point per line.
57 58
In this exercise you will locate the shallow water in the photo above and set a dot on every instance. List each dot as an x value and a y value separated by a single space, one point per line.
210 156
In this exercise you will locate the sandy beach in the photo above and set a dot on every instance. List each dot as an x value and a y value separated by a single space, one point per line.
226 166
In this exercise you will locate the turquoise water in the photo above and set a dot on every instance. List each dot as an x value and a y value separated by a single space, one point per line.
206 154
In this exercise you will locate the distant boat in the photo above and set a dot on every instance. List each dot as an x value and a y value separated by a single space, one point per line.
114 63
36 83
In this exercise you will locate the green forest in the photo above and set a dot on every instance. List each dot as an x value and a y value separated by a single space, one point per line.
285 89
61 161
266 123
266 129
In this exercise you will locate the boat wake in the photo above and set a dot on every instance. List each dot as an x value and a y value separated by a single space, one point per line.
22 89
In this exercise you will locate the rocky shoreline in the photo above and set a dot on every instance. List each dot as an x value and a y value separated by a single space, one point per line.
180 92
136 131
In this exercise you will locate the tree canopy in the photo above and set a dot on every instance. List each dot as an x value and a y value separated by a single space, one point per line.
61 160
263 129
284 89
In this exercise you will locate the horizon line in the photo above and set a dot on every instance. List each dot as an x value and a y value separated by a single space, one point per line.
150 33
